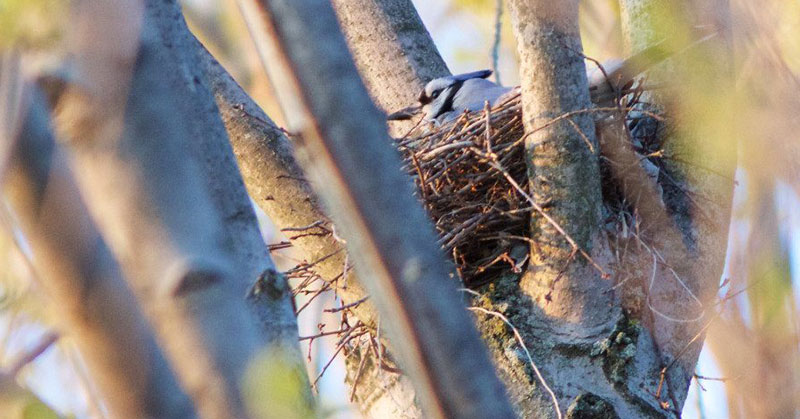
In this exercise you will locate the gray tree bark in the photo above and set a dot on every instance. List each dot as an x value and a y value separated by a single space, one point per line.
392 49
212 149
357 173
278 186
79 273
131 135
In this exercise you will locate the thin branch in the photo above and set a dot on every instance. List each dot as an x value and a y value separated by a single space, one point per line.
527 354
326 333
346 306
30 355
498 32
358 376
342 342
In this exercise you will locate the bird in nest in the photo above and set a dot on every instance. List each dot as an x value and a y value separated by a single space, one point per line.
446 98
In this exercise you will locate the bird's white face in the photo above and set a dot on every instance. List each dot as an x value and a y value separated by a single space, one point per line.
437 95
433 98
434 89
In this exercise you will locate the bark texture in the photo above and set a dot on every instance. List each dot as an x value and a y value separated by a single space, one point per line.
391 48
130 137
562 159
79 273
278 186
212 149
357 173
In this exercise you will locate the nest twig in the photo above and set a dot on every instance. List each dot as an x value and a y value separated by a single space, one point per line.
472 177
463 171
481 218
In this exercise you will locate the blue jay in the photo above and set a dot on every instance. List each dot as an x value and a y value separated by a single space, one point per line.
445 98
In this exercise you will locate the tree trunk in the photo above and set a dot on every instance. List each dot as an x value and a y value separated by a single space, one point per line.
130 137
392 49
80 274
278 186
212 149
354 168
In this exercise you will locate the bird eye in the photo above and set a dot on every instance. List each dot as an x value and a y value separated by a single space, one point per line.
435 93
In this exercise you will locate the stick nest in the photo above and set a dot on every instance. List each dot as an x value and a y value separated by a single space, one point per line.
471 176
461 171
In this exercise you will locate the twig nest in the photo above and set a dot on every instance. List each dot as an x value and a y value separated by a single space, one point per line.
461 171
471 176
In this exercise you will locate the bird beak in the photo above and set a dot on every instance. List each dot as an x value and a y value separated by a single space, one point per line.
404 114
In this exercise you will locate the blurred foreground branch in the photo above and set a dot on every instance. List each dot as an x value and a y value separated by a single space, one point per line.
80 274
130 135
354 168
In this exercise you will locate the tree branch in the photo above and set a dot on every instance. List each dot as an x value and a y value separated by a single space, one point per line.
392 49
211 148
130 142
275 180
356 171
80 273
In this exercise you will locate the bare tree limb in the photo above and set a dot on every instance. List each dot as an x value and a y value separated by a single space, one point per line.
152 204
212 150
354 168
276 182
391 48
79 272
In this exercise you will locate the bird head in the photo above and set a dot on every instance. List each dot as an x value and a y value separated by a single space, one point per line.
437 97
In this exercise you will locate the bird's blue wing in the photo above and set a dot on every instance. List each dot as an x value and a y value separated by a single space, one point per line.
482 74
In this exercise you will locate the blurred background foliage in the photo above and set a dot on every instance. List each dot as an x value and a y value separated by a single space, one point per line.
749 367
31 24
